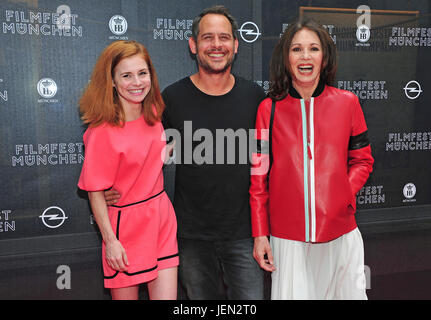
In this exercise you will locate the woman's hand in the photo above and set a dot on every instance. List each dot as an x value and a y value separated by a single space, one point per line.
116 255
262 249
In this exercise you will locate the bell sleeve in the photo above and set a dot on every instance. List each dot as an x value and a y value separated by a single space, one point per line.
101 160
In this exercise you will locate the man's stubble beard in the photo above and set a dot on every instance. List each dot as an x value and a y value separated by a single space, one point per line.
207 67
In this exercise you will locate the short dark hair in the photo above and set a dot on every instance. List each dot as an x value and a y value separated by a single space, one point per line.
218 9
280 77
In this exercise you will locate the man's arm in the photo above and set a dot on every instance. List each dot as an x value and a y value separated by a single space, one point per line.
111 196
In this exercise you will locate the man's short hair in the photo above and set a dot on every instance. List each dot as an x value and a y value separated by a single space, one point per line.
218 9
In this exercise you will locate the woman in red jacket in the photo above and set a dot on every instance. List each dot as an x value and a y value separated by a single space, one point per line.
313 157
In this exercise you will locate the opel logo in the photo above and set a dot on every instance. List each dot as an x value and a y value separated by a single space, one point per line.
412 89
249 32
53 217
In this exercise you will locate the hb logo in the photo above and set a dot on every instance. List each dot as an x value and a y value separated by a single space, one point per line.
47 88
363 23
409 190
118 25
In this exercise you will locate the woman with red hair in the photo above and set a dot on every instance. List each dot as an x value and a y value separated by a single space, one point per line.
124 149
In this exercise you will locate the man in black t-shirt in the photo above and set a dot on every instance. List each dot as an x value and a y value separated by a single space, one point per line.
211 188
214 112
211 198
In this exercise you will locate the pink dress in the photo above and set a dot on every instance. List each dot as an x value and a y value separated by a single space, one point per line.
130 160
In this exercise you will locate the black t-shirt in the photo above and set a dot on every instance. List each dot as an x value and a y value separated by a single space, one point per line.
211 198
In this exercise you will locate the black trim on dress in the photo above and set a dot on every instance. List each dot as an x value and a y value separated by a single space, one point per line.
132 204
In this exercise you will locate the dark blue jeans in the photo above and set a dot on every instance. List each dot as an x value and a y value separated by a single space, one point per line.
218 270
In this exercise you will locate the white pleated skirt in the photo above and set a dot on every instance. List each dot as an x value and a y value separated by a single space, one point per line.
318 271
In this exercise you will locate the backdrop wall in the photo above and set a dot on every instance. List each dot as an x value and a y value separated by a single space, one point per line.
47 52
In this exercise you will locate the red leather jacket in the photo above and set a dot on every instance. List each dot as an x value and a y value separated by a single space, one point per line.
321 157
